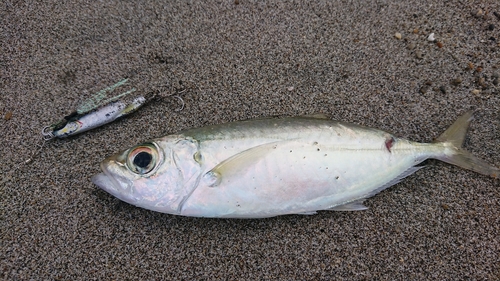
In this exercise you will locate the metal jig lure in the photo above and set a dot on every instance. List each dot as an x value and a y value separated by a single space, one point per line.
94 113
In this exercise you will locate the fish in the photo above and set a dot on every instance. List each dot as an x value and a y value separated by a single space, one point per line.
274 166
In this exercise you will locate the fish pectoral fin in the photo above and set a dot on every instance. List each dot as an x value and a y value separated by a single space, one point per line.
351 206
238 162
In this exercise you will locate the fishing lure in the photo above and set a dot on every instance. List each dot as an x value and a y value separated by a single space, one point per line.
100 110
94 113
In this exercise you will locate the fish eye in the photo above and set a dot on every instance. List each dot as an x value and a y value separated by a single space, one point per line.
143 158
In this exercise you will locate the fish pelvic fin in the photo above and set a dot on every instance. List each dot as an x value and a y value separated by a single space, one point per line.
351 206
453 138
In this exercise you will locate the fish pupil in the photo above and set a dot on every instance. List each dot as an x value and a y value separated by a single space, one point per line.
142 159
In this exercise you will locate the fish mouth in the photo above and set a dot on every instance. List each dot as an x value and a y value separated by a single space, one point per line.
105 182
113 182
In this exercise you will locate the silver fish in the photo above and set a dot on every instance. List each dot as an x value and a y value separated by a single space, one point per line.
277 166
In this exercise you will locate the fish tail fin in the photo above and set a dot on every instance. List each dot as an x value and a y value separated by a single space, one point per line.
453 139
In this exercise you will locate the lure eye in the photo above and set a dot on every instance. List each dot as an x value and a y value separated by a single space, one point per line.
142 159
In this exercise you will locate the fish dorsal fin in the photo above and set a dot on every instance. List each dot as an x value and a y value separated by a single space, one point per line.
351 206
238 162
315 116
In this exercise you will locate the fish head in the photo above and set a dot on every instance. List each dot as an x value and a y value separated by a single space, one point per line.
156 175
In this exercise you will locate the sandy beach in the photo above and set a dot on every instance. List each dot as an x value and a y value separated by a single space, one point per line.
407 67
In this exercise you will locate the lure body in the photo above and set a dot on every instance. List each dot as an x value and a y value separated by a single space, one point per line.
97 118
269 167
95 112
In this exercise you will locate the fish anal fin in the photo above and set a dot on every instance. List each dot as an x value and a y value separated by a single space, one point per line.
308 213
394 181
358 204
351 206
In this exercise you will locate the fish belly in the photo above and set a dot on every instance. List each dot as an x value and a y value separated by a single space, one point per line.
314 168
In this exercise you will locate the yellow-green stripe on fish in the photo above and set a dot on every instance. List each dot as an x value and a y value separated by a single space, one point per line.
276 166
